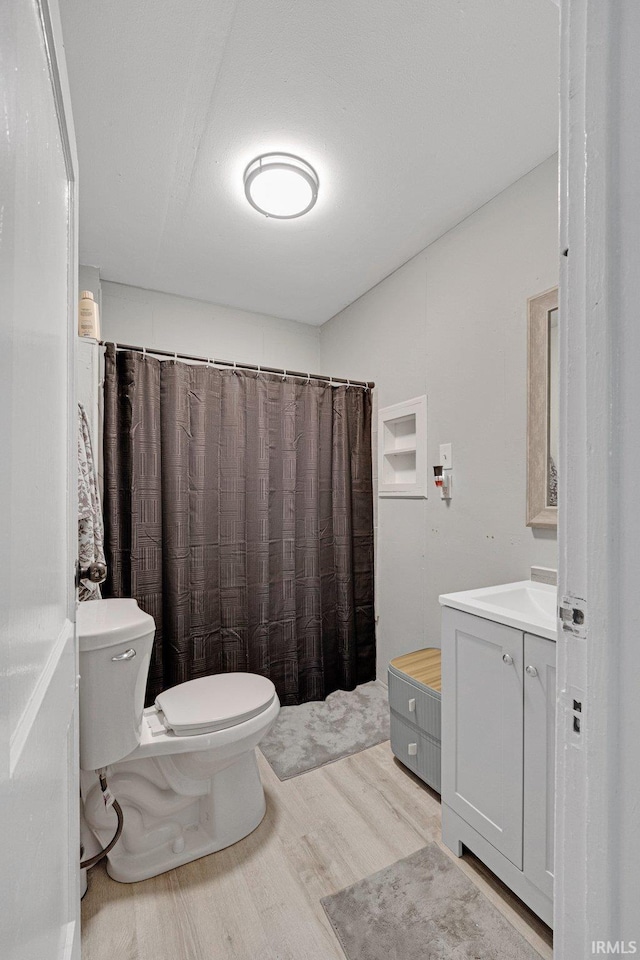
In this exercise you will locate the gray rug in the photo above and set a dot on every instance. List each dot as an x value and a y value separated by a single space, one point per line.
422 908
312 734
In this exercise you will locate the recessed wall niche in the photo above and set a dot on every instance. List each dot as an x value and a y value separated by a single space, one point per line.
402 449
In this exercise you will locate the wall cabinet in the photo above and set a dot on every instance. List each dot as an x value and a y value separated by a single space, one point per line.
498 734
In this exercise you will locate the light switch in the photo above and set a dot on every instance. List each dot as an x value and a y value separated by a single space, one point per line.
446 456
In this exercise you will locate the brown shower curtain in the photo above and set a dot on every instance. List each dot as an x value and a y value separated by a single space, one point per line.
239 514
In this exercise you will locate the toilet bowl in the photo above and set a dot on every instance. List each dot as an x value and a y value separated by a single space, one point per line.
184 770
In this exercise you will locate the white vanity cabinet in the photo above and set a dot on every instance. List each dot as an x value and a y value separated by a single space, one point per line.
539 766
498 729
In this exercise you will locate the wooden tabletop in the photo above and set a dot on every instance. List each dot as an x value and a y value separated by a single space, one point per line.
421 665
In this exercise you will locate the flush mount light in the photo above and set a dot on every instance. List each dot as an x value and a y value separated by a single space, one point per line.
281 185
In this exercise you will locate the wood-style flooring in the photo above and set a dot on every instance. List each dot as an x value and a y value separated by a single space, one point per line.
260 899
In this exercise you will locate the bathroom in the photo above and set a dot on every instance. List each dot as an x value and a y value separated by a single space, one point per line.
320 452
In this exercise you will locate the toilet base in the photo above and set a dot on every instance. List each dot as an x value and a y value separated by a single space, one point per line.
164 829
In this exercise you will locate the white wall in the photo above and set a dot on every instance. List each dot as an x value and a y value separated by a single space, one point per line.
452 323
147 318
90 367
89 279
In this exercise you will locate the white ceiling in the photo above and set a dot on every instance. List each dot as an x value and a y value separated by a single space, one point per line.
413 112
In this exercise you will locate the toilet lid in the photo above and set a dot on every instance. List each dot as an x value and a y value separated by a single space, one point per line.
213 703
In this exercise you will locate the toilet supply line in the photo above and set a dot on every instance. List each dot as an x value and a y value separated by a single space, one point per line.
109 801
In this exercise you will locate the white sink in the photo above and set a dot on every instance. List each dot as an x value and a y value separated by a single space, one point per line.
526 605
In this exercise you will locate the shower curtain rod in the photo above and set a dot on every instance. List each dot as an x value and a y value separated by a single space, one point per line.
259 368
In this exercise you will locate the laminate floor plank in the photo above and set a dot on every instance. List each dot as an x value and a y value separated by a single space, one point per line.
260 898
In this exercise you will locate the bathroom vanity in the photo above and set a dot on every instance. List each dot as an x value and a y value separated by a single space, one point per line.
498 733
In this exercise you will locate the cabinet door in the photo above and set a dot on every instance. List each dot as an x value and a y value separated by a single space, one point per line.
482 727
539 759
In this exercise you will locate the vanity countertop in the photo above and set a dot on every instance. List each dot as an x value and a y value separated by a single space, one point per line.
526 605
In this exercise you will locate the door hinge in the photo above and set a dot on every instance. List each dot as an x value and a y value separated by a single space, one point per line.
572 612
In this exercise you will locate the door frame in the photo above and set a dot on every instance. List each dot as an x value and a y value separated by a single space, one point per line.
597 767
52 32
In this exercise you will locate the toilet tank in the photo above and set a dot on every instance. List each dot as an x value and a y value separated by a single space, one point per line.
115 640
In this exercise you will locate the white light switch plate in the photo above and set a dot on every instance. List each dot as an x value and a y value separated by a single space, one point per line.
446 456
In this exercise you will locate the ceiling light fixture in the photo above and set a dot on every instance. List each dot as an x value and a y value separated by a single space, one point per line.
281 185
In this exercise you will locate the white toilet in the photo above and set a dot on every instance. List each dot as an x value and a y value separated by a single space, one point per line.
184 771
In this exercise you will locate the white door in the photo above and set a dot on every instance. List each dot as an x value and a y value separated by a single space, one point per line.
482 727
39 838
539 760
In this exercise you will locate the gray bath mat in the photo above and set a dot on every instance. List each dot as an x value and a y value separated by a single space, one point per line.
312 734
422 908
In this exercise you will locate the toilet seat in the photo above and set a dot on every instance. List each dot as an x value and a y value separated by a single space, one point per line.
214 703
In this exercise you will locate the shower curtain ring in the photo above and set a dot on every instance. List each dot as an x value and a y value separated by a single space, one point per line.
308 378
284 375
144 353
348 384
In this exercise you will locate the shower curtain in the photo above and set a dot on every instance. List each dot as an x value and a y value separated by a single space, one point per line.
239 513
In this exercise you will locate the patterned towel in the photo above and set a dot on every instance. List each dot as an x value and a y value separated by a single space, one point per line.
90 529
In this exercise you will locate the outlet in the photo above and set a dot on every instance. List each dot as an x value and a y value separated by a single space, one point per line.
446 456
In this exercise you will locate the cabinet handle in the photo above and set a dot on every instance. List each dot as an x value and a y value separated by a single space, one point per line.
412 749
412 705
508 659
532 671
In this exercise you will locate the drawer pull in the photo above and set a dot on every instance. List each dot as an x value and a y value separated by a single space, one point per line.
412 749
412 705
